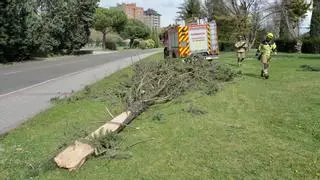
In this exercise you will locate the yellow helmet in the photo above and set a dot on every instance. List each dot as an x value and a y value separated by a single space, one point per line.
269 36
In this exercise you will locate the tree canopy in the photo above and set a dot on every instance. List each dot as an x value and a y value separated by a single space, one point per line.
107 20
292 11
135 29
43 27
190 10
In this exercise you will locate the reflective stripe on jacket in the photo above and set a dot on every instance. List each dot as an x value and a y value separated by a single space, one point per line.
267 47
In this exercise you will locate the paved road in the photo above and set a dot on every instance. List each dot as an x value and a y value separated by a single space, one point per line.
26 89
22 75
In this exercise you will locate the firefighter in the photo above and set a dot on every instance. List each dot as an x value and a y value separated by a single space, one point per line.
266 49
241 46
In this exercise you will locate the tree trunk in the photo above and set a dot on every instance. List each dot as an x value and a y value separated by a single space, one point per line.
252 40
131 43
104 39
284 22
299 45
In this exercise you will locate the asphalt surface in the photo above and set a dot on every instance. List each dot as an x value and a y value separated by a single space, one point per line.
22 75
26 88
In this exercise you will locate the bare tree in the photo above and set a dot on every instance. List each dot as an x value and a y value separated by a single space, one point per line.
255 22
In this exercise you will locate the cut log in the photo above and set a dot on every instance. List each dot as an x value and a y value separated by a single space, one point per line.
73 157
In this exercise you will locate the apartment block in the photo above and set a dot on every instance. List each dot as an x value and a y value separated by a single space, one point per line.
152 19
132 11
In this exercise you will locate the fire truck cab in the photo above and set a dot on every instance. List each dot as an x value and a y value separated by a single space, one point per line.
192 39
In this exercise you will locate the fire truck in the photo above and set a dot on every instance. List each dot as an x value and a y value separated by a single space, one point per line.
192 39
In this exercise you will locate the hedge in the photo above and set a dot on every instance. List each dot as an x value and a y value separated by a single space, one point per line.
111 45
311 46
288 46
226 46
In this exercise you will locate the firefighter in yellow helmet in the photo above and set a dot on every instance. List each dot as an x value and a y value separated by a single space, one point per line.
241 47
266 49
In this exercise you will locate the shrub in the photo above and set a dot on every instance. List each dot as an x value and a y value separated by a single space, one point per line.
111 45
288 46
150 43
142 45
82 52
226 46
136 43
98 43
311 46
112 40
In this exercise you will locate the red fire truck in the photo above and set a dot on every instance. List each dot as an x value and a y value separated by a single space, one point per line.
192 39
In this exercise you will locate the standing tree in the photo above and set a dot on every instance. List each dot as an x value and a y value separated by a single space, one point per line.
78 24
214 8
107 20
14 42
190 10
43 26
315 20
234 17
64 24
135 29
284 30
156 38
256 19
292 12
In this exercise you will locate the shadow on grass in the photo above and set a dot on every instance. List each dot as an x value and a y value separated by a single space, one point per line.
233 65
252 75
310 57
309 68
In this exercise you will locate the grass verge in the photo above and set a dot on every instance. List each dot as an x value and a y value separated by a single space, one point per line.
253 129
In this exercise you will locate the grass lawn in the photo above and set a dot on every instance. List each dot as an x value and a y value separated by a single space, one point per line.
252 129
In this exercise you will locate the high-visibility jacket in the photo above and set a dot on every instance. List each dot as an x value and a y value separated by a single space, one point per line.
267 47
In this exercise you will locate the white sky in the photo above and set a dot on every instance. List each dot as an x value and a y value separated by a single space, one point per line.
168 9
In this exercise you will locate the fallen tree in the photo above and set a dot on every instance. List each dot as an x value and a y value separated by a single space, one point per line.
152 83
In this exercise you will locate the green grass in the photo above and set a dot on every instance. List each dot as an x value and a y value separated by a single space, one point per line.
252 129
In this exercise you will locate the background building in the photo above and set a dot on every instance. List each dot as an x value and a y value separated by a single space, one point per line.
152 19
132 11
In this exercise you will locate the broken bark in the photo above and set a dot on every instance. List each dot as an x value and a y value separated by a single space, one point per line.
73 157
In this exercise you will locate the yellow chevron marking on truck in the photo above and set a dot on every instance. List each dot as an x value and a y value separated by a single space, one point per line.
183 38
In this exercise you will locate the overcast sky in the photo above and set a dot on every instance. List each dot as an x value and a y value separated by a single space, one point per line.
167 8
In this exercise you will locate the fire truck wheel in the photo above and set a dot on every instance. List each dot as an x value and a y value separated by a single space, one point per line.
174 55
166 53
